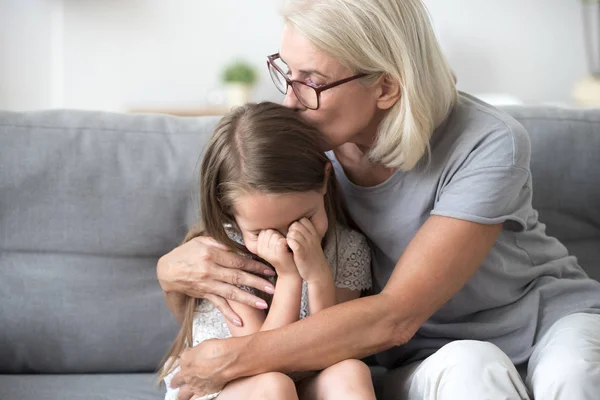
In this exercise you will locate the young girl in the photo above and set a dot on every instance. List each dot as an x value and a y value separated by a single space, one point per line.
268 191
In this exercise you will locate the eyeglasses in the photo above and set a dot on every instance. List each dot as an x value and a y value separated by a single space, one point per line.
307 94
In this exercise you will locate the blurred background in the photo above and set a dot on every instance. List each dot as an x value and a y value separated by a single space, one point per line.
124 55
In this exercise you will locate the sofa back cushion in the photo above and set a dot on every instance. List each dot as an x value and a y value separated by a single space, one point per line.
565 166
88 203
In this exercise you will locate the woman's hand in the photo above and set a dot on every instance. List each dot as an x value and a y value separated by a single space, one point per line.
203 268
273 247
305 242
201 366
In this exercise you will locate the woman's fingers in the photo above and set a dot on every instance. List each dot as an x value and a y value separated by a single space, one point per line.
177 381
235 261
242 278
185 393
233 293
225 309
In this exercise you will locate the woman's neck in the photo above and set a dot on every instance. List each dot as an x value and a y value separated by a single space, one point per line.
358 168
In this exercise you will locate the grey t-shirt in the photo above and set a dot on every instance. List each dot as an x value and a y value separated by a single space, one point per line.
478 171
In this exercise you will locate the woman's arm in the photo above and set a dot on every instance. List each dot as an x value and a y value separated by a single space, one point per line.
440 259
343 295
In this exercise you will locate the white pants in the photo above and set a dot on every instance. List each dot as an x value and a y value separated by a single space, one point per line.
565 364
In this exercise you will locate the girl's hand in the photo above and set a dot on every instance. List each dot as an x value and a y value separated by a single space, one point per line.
305 243
273 247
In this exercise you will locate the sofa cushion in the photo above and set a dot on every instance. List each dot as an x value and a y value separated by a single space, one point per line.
565 166
88 203
80 387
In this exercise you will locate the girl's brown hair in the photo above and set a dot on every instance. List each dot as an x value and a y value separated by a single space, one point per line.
262 147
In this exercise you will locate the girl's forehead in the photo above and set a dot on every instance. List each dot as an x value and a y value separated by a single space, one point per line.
259 211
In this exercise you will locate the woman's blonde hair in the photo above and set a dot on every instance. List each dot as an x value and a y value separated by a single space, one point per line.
392 37
266 148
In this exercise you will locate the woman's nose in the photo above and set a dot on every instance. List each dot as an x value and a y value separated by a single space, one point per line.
291 101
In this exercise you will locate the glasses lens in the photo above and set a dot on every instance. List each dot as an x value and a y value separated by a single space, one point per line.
306 95
278 79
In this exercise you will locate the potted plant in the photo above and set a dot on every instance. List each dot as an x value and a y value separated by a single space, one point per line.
239 78
587 90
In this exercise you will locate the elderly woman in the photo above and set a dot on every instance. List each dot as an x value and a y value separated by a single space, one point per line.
471 298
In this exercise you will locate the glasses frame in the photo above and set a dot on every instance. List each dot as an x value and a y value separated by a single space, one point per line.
318 89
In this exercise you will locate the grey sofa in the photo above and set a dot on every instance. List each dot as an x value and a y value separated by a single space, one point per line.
90 200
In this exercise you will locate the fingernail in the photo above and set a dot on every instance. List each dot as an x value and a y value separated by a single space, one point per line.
269 289
269 272
237 322
261 304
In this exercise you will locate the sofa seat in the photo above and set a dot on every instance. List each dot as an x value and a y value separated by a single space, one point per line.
77 386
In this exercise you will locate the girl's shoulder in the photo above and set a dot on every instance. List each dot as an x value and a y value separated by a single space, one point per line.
350 258
350 238
347 244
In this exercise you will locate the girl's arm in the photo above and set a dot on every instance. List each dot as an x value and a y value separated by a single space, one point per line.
326 292
322 294
353 261
285 308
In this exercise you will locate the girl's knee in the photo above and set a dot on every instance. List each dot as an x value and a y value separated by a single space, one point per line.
348 379
352 367
275 385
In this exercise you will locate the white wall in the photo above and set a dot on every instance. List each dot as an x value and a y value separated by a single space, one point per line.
121 54
30 54
531 49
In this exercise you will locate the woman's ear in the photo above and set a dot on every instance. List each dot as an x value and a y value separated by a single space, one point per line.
389 92
328 171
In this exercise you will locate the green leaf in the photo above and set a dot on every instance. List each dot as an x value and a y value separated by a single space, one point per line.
240 72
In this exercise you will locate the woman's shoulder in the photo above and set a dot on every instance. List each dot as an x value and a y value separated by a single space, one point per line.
477 130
